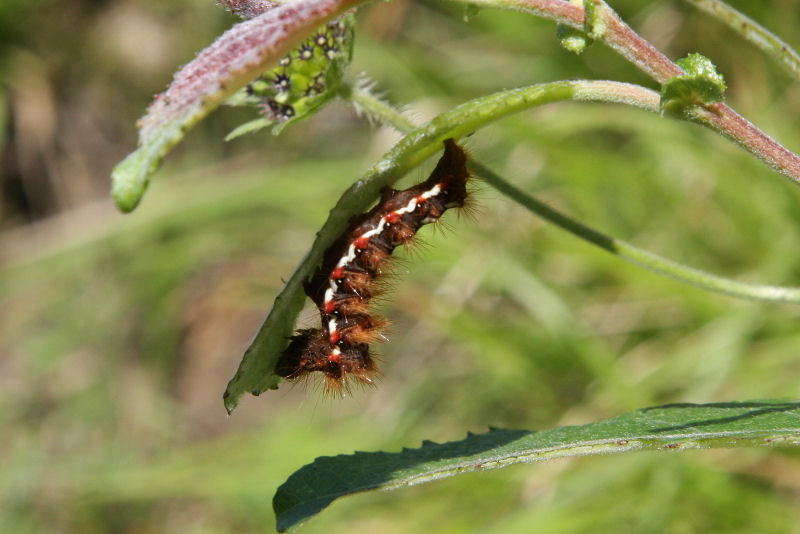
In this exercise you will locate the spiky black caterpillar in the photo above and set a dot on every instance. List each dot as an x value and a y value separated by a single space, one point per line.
345 283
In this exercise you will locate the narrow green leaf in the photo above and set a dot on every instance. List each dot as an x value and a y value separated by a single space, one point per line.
701 84
252 126
672 427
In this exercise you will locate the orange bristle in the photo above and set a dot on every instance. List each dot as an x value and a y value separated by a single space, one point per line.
357 271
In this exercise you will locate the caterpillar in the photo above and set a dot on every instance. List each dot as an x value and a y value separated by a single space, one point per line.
345 283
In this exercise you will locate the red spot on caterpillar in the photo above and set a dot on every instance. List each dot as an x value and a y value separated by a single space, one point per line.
343 286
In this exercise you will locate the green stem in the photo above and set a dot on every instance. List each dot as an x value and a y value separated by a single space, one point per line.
372 105
637 256
753 32
366 102
426 140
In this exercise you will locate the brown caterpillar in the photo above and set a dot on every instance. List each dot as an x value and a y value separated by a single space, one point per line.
345 283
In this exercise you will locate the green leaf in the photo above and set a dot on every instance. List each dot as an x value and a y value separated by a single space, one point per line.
701 84
249 127
129 179
667 428
237 57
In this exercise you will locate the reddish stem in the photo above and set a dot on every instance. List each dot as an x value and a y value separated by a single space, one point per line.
725 120
641 53
655 64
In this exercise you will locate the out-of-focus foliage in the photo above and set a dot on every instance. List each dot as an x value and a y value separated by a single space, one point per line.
118 334
76 76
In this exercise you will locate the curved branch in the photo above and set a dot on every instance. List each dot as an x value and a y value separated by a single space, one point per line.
619 36
624 250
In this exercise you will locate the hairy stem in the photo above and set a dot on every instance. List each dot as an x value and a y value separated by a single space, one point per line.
619 36
753 32
365 101
370 104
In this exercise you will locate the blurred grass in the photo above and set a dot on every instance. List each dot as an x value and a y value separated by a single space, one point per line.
118 333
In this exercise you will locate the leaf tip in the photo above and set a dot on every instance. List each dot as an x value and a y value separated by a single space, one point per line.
230 401
129 180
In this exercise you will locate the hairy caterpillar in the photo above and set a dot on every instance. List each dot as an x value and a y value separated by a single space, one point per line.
344 285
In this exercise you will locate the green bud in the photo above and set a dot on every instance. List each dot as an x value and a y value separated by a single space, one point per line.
304 79
701 84
573 40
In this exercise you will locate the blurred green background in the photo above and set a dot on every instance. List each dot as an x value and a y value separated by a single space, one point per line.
119 333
